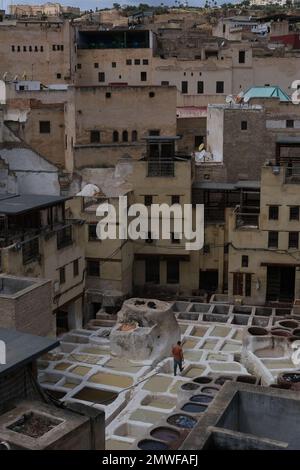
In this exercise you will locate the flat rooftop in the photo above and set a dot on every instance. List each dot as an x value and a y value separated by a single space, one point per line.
19 204
22 348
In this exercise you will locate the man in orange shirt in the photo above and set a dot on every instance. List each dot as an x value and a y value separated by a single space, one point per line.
177 353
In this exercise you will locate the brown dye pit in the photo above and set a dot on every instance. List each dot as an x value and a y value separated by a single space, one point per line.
80 370
199 331
54 356
63 365
122 365
209 344
231 347
164 403
146 416
85 358
281 364
114 444
95 350
121 381
94 395
193 355
225 367
190 343
174 389
194 372
269 352
158 384
221 331
70 385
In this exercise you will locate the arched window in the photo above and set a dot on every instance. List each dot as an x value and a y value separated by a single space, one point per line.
125 136
134 136
115 136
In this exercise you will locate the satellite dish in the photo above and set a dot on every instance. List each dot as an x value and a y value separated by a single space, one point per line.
201 147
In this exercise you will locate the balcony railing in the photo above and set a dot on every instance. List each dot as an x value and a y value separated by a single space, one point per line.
246 220
64 237
30 250
161 168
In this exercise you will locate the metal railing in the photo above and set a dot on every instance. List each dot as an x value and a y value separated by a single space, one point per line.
292 175
30 250
161 168
64 237
246 219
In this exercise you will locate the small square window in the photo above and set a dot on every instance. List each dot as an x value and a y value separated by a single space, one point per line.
62 275
148 200
245 261
173 272
58 75
164 83
137 61
151 94
290 123
54 47
219 87
273 239
242 57
92 229
79 66
128 62
45 127
101 77
114 64
200 87
175 199
244 125
145 62
294 213
75 267
108 94
95 137
93 268
96 65
293 239
273 212
184 87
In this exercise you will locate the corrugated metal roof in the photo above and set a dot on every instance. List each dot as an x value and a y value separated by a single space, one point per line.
265 92
22 348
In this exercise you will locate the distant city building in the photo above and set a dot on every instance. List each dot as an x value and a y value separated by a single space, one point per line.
47 9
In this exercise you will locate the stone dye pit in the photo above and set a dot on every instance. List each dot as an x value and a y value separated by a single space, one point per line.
126 369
